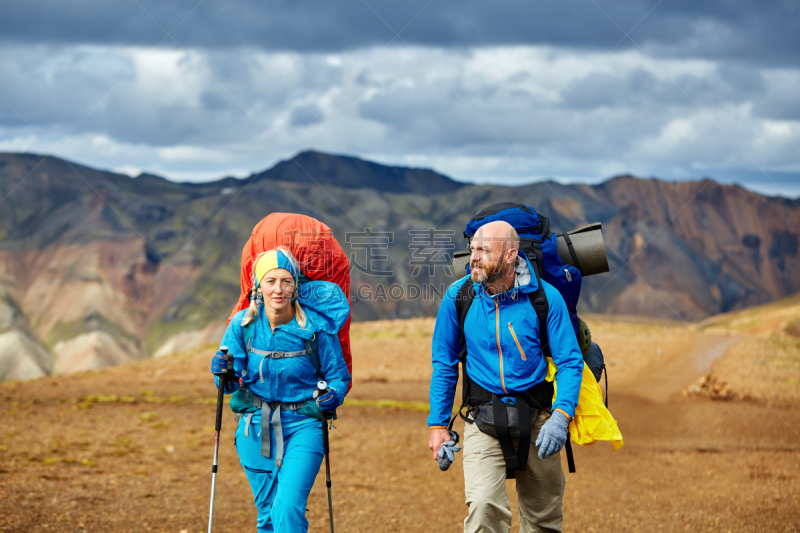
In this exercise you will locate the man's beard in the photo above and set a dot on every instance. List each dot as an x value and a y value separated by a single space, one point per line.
489 275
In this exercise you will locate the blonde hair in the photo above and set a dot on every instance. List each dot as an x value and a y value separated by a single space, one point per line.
252 311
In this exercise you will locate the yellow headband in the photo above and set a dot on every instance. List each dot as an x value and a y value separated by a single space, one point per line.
272 260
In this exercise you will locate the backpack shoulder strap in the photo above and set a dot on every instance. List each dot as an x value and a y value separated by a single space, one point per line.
464 299
539 302
313 347
249 332
545 227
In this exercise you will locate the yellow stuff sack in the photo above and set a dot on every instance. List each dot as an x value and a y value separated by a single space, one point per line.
592 421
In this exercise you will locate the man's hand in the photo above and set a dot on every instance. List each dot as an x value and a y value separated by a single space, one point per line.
553 435
447 452
438 437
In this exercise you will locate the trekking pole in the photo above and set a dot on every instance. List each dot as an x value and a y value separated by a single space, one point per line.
326 447
223 378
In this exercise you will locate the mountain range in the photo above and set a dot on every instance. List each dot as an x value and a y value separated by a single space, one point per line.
97 268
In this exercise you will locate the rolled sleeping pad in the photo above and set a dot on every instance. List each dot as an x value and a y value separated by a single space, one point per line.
461 258
587 242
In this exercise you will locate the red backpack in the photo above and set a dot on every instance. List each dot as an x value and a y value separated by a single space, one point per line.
318 254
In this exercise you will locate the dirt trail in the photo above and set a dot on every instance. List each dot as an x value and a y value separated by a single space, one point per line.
128 449
665 377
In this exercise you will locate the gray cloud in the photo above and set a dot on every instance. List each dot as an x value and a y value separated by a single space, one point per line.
764 33
642 89
261 83
306 116
215 101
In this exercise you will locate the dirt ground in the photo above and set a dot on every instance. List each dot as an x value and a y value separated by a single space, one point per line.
129 448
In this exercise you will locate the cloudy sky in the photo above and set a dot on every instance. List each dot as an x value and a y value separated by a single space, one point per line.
501 92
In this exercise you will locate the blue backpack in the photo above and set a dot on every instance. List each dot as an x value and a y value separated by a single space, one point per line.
540 246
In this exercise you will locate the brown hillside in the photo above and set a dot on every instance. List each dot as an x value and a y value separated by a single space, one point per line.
98 268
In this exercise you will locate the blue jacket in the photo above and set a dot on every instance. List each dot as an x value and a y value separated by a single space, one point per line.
294 379
504 351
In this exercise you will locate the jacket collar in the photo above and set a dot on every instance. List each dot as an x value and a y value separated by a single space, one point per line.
292 327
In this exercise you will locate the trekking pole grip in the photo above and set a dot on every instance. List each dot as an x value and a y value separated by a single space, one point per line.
322 388
223 379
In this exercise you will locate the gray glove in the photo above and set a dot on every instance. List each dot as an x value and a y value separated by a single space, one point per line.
447 451
553 435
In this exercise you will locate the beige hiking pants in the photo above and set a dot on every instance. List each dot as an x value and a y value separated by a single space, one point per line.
539 488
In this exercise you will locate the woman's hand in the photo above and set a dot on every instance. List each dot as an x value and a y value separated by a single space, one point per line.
220 366
328 401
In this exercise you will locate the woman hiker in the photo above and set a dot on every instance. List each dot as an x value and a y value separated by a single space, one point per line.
279 434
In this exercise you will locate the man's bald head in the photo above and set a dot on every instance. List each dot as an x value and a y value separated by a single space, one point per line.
499 231
493 252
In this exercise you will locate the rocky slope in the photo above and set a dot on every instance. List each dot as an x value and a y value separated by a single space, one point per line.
97 267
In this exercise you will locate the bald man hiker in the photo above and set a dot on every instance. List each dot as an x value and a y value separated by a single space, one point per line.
513 428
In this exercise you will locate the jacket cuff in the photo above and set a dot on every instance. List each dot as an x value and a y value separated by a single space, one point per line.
570 413
563 412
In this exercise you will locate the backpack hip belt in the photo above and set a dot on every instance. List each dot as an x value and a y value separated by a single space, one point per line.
270 416
540 396
505 422
493 418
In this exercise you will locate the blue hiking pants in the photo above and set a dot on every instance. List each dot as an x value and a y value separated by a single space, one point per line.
281 493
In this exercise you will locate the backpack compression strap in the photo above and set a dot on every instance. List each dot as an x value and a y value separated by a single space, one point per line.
572 254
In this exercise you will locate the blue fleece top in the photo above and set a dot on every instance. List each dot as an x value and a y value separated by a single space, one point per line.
294 379
504 351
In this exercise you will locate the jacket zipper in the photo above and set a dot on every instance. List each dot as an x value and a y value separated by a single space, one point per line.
517 341
499 349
